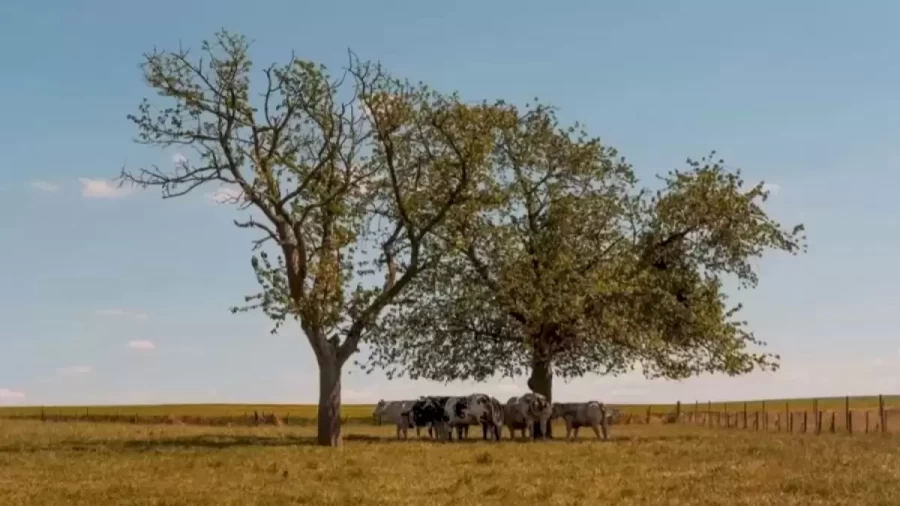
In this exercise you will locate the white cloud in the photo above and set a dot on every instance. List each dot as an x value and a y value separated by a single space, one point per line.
103 189
78 369
179 159
137 315
11 394
46 186
142 345
226 195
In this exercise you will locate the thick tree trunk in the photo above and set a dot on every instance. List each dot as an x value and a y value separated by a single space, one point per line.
329 404
541 382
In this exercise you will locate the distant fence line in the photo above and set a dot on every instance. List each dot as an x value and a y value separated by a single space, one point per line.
816 420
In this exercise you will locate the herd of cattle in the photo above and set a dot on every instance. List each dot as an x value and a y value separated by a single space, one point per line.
441 415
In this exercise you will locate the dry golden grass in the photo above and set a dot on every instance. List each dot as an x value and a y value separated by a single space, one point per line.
98 464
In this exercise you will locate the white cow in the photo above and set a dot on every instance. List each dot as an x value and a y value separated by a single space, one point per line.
582 414
513 417
533 408
392 412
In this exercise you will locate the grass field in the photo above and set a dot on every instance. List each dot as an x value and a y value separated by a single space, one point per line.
363 412
99 464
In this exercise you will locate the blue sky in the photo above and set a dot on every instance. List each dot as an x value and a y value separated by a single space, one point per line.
109 297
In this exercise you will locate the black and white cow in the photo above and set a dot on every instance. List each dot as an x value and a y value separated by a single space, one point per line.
428 412
582 414
475 409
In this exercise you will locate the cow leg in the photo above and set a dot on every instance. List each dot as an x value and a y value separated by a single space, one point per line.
596 428
484 431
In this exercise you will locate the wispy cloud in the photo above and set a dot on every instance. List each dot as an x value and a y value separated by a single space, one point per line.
45 186
137 315
179 159
11 394
226 195
103 189
77 369
142 345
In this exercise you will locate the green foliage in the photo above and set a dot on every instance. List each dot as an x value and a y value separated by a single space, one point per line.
345 177
564 261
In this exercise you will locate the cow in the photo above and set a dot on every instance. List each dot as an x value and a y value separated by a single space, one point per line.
533 407
428 412
513 417
582 414
392 412
475 409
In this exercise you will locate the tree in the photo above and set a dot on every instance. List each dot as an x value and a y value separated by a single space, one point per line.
568 267
343 191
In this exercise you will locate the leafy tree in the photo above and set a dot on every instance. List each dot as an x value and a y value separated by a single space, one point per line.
566 266
345 179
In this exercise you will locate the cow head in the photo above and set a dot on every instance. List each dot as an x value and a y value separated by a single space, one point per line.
538 404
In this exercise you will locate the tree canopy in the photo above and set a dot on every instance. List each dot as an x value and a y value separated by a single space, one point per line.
566 266
344 179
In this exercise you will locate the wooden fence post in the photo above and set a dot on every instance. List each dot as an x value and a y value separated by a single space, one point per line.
677 411
882 418
848 420
819 423
805 420
42 414
727 416
765 416
778 422
756 422
867 421
648 414
816 414
791 422
709 412
787 411
745 415
832 421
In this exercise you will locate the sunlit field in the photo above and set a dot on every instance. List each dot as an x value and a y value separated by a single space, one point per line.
59 463
362 413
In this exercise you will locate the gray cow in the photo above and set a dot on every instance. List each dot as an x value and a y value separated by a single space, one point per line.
582 414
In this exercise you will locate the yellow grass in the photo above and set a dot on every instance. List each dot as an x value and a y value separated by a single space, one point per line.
100 464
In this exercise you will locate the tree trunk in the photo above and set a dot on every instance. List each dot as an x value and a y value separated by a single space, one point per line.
541 382
329 404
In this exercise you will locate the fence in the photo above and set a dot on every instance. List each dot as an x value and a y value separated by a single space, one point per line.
782 416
